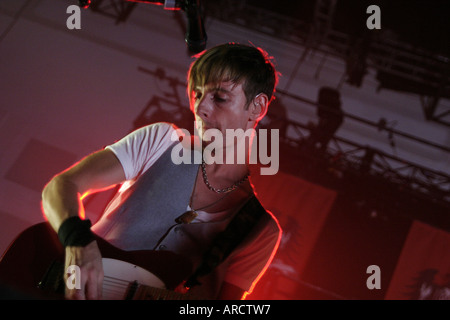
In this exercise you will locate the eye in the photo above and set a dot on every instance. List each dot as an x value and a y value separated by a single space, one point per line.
196 95
219 99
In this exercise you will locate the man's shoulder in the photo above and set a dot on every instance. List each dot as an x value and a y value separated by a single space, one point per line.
272 222
158 134
159 127
267 218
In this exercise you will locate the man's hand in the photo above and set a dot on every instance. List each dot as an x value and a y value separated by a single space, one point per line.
89 260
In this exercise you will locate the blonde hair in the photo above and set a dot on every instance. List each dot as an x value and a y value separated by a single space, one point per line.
241 64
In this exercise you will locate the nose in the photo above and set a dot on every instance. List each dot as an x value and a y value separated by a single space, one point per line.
203 107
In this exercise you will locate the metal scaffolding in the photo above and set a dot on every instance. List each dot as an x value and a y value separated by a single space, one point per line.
400 65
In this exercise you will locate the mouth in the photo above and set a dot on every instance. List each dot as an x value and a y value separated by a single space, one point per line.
205 126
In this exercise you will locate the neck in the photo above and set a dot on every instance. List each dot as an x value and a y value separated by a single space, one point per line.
225 177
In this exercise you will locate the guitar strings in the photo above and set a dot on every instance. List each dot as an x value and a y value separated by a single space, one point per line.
115 288
118 288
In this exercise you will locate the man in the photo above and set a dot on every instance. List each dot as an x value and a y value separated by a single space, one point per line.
179 208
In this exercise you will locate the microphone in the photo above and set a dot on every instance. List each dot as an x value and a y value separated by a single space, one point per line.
195 35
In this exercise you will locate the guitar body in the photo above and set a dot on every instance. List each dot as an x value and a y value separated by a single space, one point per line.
33 267
120 276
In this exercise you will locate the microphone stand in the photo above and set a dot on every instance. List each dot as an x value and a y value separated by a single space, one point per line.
195 35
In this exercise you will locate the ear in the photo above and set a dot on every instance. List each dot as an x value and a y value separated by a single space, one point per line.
258 107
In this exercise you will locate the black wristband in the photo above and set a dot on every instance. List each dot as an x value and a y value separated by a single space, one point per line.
75 232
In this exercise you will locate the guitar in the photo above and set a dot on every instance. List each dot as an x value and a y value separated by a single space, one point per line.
34 266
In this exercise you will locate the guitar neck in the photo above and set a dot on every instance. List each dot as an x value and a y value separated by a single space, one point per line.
142 292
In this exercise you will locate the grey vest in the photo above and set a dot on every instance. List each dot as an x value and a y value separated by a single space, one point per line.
145 220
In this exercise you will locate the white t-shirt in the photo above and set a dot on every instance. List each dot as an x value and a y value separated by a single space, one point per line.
139 150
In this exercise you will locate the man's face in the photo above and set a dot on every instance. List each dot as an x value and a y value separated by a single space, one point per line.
221 107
